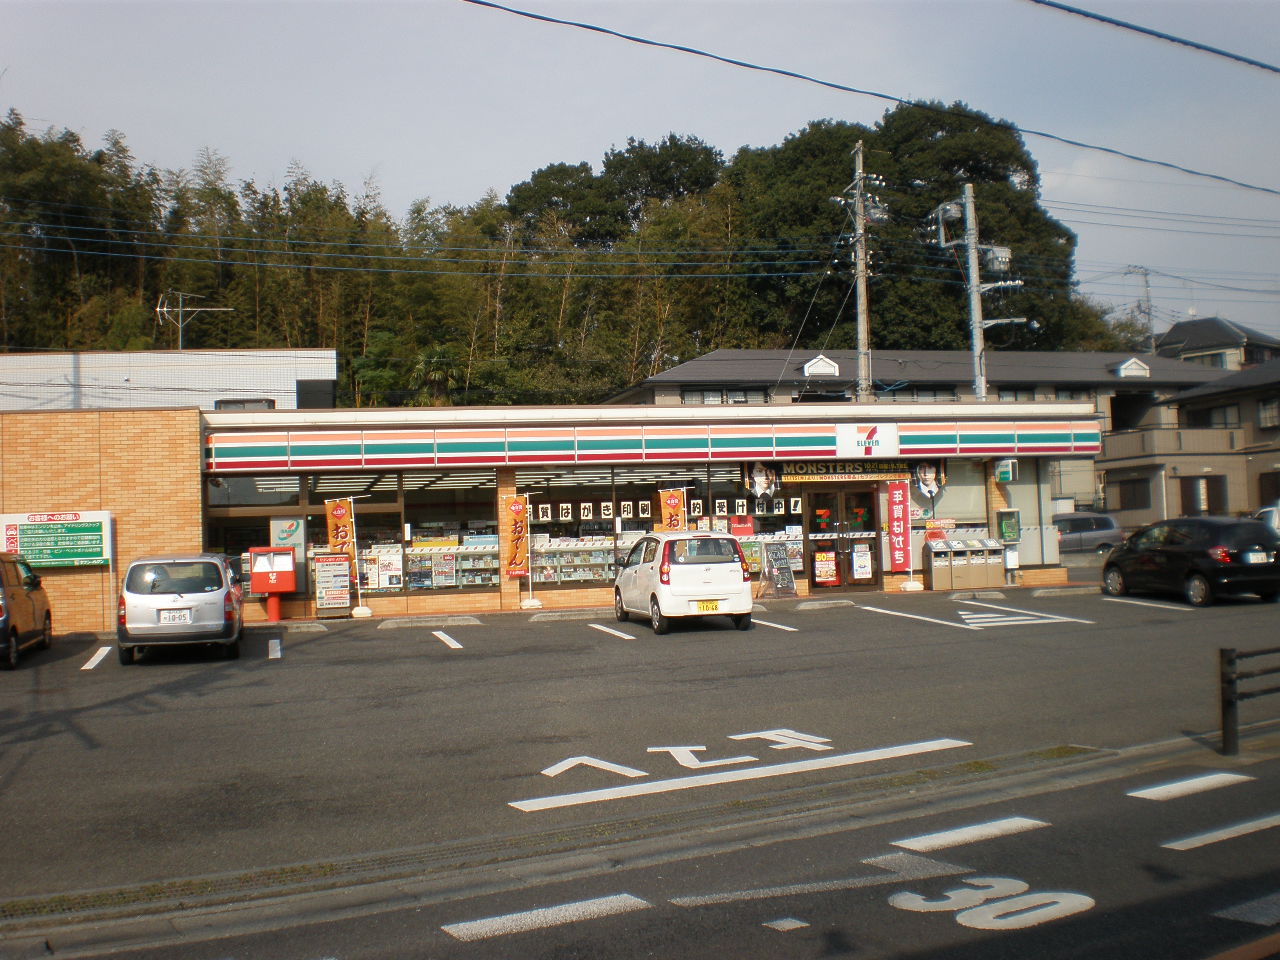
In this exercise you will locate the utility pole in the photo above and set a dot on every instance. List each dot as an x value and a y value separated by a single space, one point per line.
1144 306
855 195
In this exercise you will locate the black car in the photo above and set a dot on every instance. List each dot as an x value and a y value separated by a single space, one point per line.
1199 557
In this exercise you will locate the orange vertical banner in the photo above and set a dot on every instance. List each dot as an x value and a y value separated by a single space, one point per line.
340 516
518 540
674 517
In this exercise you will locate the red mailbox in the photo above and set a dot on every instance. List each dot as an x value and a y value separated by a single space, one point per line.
272 572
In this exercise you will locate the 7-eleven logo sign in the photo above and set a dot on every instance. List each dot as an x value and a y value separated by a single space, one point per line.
866 440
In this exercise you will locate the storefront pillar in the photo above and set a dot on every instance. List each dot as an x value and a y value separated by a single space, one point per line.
509 588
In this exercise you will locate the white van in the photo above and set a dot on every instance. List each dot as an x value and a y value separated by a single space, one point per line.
684 575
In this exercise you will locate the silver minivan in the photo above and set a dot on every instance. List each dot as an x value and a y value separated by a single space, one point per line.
25 618
179 599
1087 531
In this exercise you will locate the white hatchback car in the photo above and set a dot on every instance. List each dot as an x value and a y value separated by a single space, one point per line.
684 575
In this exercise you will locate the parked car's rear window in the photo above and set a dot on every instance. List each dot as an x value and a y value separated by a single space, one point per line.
174 577
1247 533
704 551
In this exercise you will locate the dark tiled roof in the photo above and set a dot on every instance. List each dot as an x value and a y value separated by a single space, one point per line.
1204 333
749 367
1255 378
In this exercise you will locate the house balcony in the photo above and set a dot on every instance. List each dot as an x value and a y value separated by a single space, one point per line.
1169 442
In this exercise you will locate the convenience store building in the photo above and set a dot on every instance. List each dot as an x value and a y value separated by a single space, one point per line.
851 492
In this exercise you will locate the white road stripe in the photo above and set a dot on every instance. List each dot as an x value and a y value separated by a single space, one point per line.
1181 608
1047 617
609 630
912 616
777 626
545 917
447 640
1226 833
962 835
1183 788
734 776
97 658
1265 911
275 649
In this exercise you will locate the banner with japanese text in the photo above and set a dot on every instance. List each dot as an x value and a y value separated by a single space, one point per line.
341 518
674 517
518 536
899 527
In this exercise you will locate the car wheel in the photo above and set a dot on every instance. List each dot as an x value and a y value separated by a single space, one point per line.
11 652
657 618
1197 591
126 655
619 611
1269 596
46 634
1113 582
742 621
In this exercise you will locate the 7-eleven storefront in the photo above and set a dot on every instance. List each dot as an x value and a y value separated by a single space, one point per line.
502 508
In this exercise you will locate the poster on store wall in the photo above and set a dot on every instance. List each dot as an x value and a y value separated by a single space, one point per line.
444 570
899 527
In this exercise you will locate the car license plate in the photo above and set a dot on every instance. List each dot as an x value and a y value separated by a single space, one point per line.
175 616
1255 557
708 606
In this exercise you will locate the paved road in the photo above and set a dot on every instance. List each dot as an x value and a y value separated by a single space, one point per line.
426 751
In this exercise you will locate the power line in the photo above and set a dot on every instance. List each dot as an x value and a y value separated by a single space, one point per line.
746 65
1195 45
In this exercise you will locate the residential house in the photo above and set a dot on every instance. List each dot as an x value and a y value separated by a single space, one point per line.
1218 343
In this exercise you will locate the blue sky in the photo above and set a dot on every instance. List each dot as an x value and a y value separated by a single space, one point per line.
443 100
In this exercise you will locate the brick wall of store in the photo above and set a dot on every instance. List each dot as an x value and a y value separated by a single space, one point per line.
144 466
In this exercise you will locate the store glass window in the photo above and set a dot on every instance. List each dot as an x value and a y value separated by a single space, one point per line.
234 491
366 487
452 521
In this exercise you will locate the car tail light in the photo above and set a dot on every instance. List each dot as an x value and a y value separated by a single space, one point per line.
229 607
1220 554
742 560
664 568
120 611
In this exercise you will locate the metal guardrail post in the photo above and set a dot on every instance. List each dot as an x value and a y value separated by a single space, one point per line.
1229 700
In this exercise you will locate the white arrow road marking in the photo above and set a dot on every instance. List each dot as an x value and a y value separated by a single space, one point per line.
1183 788
546 917
97 658
1041 617
447 640
685 757
1226 833
962 835
1159 606
912 616
609 630
558 768
733 776
778 626
900 867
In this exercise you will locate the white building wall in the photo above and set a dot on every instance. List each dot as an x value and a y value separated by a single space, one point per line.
160 378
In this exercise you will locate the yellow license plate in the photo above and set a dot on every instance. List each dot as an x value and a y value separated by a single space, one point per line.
708 606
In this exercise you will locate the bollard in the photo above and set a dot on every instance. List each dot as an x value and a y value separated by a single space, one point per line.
1230 706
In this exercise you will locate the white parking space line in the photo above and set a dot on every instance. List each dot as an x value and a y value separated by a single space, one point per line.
275 649
97 658
1265 911
609 630
546 917
913 616
447 640
1181 608
786 925
1226 833
1041 617
734 776
777 626
1184 788
962 835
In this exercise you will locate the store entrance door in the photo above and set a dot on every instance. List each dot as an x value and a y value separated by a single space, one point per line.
842 541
